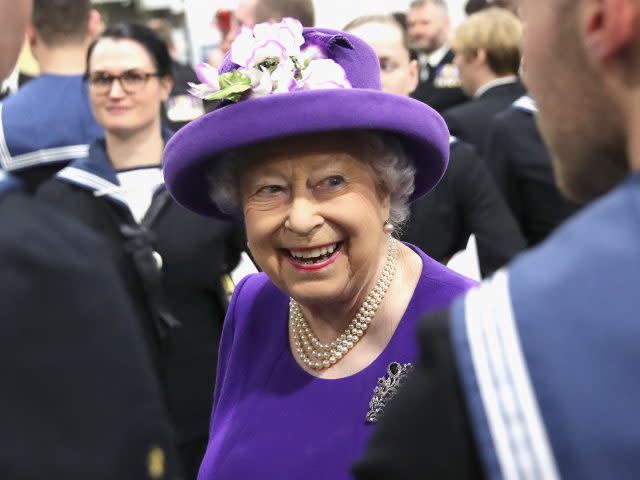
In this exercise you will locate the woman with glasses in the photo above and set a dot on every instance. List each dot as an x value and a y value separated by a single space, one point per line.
171 260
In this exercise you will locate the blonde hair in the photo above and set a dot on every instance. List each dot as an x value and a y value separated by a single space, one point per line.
496 31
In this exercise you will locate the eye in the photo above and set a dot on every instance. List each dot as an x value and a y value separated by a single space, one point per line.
101 78
332 182
133 77
387 65
269 190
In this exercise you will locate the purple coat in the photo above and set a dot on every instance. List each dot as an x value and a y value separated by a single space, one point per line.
271 419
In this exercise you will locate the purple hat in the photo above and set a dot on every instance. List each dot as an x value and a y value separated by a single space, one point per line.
330 83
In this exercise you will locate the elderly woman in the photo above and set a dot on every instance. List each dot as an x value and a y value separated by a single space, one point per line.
321 165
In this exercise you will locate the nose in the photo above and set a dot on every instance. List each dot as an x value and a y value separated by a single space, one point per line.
303 218
116 90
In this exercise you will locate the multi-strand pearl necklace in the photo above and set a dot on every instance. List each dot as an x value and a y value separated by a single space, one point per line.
317 355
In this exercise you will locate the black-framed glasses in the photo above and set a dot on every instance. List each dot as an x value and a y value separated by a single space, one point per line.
131 81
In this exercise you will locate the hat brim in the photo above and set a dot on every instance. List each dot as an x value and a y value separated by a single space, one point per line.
190 153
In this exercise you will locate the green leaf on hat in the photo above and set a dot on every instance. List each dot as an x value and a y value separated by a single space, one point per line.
232 85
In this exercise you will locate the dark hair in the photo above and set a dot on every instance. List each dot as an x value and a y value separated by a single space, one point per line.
145 37
301 10
61 21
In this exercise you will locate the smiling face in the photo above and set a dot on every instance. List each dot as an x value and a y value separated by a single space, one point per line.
119 111
314 217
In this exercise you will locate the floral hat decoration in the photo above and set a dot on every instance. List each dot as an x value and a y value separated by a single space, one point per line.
280 80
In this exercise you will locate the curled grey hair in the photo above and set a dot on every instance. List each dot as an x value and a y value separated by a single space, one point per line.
393 170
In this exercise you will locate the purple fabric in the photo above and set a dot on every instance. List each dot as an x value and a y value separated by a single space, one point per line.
188 156
270 418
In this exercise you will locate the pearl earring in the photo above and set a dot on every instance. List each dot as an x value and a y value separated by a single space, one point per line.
388 228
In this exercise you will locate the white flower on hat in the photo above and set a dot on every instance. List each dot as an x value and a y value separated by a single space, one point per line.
210 79
270 62
324 73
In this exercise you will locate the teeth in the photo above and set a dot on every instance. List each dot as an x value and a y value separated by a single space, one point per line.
316 252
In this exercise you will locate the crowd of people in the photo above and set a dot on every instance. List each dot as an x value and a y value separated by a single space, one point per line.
351 166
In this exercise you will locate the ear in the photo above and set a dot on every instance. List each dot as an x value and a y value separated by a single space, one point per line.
32 36
412 81
95 25
166 84
608 27
480 56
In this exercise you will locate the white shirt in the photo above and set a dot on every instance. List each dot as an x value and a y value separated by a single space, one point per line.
495 83
138 186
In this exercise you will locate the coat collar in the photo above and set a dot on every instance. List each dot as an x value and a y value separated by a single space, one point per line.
526 104
96 174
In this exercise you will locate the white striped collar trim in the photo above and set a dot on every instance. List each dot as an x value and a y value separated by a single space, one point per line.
91 181
518 433
38 157
526 103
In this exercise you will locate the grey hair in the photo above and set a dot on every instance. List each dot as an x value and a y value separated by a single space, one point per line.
393 170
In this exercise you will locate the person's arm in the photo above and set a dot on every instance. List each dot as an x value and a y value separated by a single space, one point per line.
485 212
426 432
498 148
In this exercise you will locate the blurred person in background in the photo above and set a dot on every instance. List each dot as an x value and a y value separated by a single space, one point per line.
534 374
487 54
473 6
180 108
81 400
251 12
170 259
429 27
466 201
521 166
48 122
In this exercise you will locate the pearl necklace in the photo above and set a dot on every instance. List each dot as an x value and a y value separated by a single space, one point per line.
317 355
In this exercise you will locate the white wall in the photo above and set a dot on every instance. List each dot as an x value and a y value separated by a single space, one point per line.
337 13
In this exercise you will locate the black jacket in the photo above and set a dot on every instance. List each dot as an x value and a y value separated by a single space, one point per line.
79 397
521 166
195 252
465 201
442 89
470 121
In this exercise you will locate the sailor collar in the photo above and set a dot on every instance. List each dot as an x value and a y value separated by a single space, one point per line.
96 174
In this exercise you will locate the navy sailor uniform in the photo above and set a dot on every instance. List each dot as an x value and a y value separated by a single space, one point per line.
172 269
79 398
44 126
532 375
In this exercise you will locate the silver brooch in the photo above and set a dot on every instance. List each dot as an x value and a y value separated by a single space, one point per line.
387 389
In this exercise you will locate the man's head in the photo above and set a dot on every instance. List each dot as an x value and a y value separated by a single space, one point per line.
398 72
487 46
429 25
14 16
251 12
61 23
587 96
163 29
